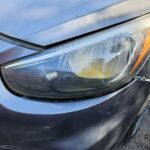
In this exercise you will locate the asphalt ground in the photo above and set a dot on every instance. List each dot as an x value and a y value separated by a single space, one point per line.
142 139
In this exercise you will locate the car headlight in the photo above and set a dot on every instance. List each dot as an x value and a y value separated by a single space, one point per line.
94 65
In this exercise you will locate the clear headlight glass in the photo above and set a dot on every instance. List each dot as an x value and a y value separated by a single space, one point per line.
91 66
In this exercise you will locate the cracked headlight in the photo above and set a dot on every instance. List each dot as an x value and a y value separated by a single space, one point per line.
90 66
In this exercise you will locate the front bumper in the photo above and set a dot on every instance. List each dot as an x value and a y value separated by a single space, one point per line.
90 124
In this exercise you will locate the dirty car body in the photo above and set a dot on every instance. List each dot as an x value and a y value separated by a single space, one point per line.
98 121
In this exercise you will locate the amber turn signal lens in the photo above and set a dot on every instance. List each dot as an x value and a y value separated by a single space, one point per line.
144 52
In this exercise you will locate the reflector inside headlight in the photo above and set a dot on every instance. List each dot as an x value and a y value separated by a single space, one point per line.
89 66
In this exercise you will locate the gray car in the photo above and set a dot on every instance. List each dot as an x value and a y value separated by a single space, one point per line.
75 75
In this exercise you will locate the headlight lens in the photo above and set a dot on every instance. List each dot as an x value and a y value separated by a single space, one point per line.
89 66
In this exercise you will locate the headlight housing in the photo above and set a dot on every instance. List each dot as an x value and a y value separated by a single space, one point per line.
93 65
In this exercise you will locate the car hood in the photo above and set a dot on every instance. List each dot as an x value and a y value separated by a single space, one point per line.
50 21
22 18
